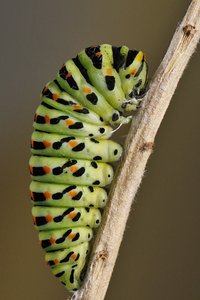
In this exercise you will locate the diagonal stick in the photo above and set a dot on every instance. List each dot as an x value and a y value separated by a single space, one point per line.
138 147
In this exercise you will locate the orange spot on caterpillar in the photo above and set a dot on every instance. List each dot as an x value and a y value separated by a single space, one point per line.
31 169
71 216
47 169
133 71
31 195
32 143
72 144
69 122
34 220
98 54
73 256
49 218
73 169
76 107
109 71
71 236
56 261
72 193
86 90
47 119
52 241
47 144
55 96
47 195
68 75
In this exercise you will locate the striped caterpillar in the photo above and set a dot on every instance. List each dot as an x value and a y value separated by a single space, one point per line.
71 150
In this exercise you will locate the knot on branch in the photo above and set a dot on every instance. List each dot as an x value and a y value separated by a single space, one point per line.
189 30
102 255
147 146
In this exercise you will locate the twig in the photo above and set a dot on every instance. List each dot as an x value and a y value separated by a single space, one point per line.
137 150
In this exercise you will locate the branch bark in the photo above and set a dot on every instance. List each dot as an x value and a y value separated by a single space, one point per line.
138 147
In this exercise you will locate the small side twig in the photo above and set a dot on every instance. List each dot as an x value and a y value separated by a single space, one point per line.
137 150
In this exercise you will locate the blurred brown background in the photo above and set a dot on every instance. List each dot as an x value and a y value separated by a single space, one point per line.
159 257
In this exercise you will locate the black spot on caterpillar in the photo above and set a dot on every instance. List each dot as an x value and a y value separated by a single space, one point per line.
72 150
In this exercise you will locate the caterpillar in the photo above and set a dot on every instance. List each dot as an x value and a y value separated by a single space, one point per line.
71 150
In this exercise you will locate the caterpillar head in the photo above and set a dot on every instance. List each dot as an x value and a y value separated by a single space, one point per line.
119 74
133 75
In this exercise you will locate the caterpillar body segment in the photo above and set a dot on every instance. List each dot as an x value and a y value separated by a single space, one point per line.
68 255
62 195
72 81
72 274
71 151
70 171
64 261
46 144
46 218
52 120
61 239
56 97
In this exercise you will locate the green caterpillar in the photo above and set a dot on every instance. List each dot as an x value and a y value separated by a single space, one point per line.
71 150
